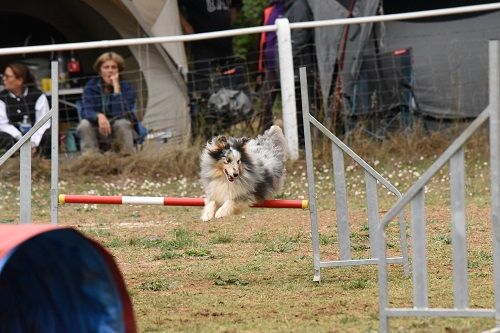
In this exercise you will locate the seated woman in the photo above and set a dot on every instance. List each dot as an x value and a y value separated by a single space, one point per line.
107 109
22 100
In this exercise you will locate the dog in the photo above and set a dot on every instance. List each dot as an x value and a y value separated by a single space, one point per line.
238 172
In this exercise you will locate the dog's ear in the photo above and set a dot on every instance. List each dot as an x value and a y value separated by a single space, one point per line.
218 143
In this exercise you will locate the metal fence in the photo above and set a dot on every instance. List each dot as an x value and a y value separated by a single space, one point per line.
371 179
415 197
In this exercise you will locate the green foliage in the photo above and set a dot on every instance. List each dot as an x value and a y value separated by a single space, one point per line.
115 242
222 238
445 240
281 245
326 239
168 254
198 252
155 285
360 283
246 46
221 281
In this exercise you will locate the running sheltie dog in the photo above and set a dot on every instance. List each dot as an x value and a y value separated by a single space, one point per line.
238 172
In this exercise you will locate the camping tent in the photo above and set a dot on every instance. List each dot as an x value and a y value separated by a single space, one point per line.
448 54
155 70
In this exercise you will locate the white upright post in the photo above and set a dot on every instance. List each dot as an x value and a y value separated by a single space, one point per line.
494 106
54 162
287 86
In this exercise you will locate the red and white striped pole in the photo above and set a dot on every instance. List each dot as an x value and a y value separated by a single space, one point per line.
167 201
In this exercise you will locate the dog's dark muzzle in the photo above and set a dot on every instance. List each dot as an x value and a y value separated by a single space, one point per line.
231 177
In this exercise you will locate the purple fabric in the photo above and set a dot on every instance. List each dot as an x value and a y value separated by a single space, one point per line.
271 38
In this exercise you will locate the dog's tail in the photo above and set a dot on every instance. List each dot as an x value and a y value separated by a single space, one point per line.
275 134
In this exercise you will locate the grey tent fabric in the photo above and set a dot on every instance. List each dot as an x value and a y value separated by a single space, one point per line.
328 40
357 42
450 62
449 55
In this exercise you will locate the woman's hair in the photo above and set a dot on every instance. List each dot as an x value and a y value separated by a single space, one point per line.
23 72
109 56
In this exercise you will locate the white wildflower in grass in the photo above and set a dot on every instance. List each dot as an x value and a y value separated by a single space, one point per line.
144 185
376 162
421 158
349 168
88 208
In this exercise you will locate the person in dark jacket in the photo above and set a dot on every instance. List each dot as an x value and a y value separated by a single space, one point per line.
268 71
205 16
303 51
22 104
207 57
108 108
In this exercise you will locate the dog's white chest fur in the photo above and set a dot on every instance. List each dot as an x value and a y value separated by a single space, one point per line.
221 189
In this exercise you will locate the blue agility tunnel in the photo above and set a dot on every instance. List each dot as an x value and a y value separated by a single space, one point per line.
54 279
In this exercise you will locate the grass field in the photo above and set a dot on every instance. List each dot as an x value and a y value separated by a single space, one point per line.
253 272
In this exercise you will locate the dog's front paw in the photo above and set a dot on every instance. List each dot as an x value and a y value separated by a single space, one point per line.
208 211
225 210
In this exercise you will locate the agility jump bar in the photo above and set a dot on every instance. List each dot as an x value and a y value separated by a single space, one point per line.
166 201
